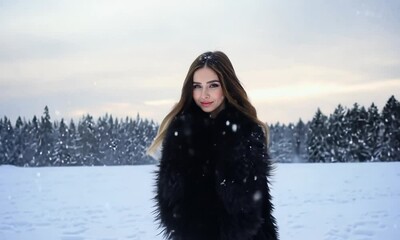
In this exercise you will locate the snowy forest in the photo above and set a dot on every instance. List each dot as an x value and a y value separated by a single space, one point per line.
108 141
356 134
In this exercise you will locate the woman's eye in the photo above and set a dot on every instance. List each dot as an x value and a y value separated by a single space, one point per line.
196 86
214 85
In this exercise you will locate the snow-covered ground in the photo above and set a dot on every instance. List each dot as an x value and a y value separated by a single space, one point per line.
313 201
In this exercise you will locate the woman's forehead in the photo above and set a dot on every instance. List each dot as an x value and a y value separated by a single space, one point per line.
204 75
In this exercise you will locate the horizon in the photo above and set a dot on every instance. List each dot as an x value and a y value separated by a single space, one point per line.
123 118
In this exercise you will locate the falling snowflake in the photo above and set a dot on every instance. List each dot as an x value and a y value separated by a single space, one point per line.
234 127
257 196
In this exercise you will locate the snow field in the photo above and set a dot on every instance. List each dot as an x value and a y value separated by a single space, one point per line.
313 201
338 201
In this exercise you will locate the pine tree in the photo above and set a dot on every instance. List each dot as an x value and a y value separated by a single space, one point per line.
20 146
72 144
131 141
2 146
45 155
317 138
146 135
88 142
7 142
337 132
299 143
282 147
374 131
391 138
103 137
357 117
62 151
151 132
289 145
121 143
34 140
113 141
116 143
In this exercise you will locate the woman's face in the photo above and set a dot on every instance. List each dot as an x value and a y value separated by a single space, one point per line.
207 91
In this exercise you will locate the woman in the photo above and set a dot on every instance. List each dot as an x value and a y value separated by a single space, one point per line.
212 182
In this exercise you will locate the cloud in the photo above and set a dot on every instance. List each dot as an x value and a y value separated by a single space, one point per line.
161 102
312 90
118 109
125 57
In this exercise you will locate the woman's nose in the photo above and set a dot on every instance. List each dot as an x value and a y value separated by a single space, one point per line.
205 94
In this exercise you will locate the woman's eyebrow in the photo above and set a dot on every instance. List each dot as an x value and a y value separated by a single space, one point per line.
212 81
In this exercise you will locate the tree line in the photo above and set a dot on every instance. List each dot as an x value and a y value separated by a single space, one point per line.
347 135
107 141
356 134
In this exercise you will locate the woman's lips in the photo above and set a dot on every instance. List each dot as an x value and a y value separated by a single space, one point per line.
206 104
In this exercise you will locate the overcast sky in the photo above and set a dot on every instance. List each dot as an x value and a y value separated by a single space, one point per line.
129 57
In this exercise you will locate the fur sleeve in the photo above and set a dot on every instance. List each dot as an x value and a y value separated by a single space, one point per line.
242 182
170 181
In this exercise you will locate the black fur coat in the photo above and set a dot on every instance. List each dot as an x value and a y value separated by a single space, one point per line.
212 182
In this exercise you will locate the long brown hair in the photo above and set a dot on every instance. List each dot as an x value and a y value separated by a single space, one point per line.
231 87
